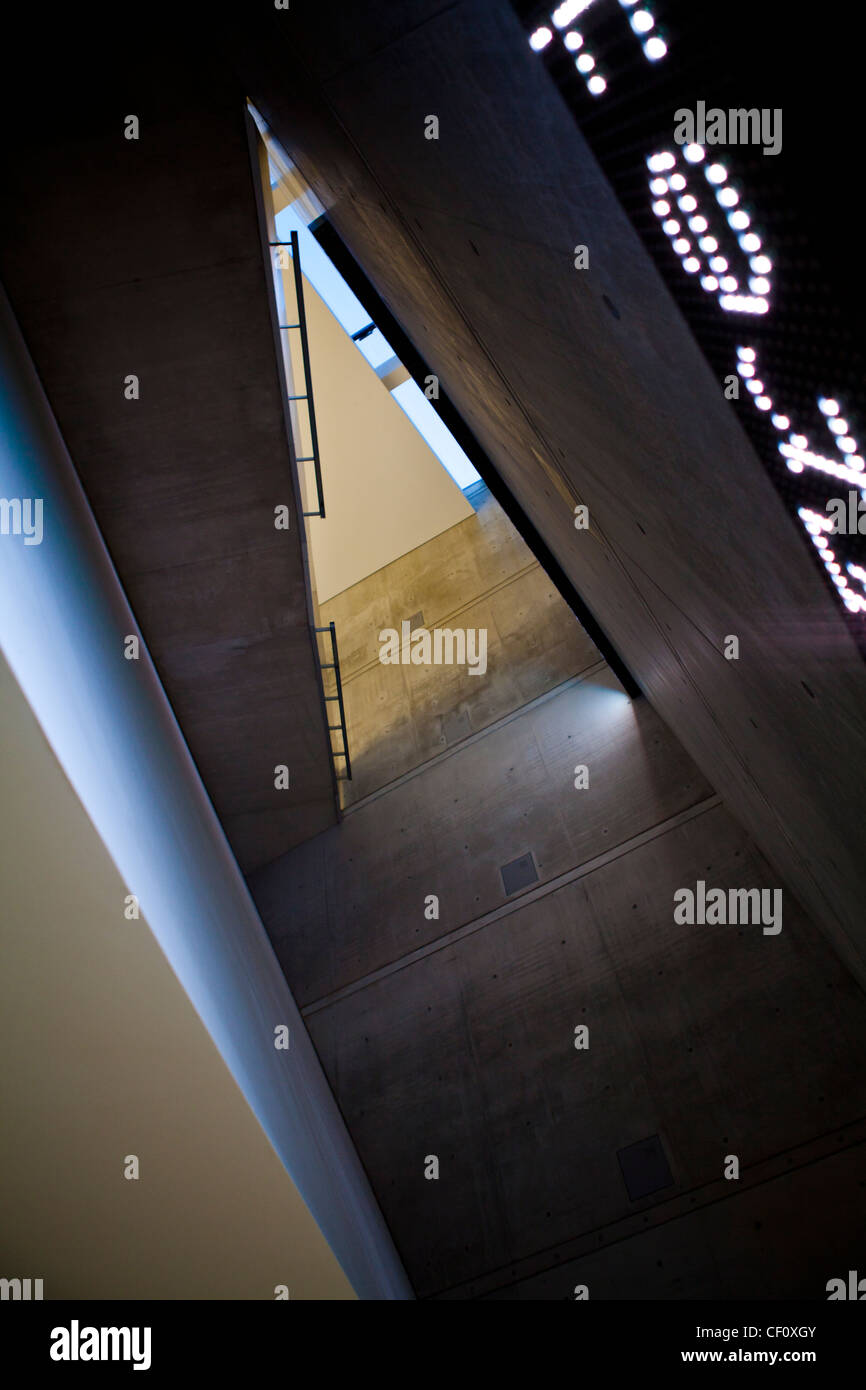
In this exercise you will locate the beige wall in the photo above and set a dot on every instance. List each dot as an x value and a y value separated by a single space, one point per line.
385 490
104 1056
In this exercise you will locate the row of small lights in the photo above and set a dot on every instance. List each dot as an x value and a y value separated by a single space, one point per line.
795 450
717 278
818 528
641 21
799 457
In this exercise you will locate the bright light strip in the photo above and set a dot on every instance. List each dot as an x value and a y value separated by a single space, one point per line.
728 285
744 304
805 458
568 11
540 39
642 21
655 48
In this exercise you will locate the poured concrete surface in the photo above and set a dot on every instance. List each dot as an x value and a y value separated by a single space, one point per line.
143 257
479 575
722 1040
352 899
469 240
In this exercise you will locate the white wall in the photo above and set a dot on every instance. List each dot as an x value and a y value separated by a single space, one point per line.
386 492
105 1056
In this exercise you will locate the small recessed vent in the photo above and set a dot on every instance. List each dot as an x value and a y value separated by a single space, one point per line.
518 874
645 1168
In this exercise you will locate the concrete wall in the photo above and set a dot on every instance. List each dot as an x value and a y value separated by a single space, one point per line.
143 257
469 239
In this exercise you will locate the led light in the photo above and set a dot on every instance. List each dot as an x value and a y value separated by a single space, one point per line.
781 422
568 11
677 182
799 441
743 304
698 224
855 461
672 226
756 387
828 407
585 63
718 264
838 426
747 354
708 243
716 173
682 245
657 163
710 283
826 554
655 48
846 445
642 21
764 403
739 220
761 265
834 568
658 187
573 40
745 369
758 285
540 39
727 197
749 241
729 284
691 264
687 203
693 154
795 466
661 208
597 85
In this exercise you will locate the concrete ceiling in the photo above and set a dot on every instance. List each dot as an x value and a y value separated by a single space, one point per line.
469 240
143 257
